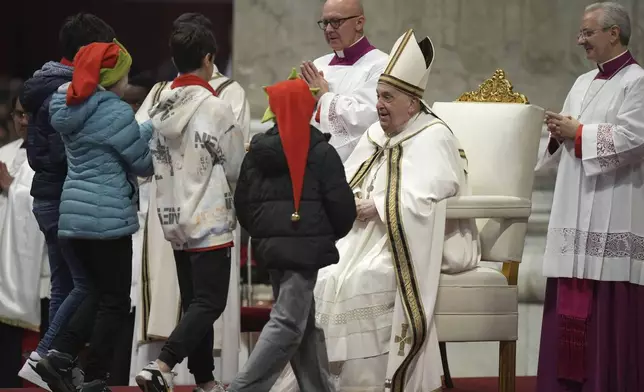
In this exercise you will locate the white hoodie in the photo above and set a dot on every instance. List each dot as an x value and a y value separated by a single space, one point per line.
197 150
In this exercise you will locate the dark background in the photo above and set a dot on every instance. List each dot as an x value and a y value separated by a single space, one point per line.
29 29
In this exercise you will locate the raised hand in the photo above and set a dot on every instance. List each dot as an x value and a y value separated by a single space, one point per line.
314 78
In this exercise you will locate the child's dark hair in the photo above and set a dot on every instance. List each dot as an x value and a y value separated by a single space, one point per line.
189 44
80 30
192 17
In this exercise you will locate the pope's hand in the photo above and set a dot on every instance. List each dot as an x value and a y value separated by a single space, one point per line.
314 78
366 209
560 126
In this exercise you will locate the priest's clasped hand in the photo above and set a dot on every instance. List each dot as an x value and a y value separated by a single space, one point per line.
560 126
5 177
366 209
314 78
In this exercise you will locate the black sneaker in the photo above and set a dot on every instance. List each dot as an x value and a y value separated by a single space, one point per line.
56 370
95 386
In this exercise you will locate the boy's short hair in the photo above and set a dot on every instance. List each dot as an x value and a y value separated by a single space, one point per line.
189 44
192 17
80 30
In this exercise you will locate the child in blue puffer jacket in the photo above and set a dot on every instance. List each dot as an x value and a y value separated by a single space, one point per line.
106 149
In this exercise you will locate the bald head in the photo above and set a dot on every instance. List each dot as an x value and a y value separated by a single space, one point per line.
345 22
353 7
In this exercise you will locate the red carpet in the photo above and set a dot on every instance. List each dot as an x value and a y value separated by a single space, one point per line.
524 384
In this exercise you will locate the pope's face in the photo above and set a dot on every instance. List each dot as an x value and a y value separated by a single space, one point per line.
597 39
395 108
344 24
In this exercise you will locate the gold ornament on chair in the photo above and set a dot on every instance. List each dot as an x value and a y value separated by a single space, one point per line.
495 89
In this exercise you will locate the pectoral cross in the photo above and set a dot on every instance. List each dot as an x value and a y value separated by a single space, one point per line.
403 339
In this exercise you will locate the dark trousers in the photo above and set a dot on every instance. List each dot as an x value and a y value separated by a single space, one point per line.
11 358
203 283
120 364
47 213
68 280
14 350
103 313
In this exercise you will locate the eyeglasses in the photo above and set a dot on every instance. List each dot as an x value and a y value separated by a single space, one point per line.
585 34
335 23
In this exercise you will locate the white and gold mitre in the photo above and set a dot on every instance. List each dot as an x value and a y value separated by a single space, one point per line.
409 64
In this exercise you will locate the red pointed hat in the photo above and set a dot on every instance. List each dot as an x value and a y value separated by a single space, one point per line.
293 105
99 63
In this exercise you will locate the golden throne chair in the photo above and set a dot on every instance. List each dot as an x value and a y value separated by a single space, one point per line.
500 132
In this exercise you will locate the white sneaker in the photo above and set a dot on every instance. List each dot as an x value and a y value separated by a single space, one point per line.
218 387
28 373
78 376
152 379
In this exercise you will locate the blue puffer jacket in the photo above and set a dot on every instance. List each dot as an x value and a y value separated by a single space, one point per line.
106 148
45 149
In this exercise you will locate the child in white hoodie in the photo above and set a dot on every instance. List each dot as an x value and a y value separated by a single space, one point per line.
197 150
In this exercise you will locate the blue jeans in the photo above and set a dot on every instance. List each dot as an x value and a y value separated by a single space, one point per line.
68 277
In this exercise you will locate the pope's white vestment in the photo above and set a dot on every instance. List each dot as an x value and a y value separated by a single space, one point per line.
155 284
349 108
596 231
23 255
376 305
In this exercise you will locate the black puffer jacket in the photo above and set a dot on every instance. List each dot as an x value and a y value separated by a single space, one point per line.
45 148
264 204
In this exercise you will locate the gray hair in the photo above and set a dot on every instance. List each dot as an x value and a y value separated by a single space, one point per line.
614 14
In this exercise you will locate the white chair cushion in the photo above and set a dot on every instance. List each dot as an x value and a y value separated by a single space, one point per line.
479 276
476 305
468 207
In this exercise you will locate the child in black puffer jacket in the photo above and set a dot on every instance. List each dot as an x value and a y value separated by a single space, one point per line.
293 198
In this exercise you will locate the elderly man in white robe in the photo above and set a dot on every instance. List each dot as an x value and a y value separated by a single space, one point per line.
376 305
157 291
346 78
594 307
22 244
